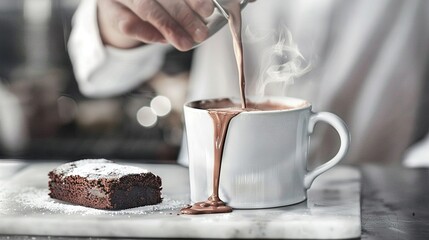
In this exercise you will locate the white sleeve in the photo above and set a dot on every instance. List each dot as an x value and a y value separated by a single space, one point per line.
106 71
13 128
416 156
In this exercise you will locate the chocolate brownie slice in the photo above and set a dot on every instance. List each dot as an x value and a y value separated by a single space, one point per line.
103 184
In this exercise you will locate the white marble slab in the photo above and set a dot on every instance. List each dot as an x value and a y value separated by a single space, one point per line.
332 211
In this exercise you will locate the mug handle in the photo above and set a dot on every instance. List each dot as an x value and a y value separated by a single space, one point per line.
339 125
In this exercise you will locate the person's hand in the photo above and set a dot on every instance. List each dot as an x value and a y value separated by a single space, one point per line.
129 23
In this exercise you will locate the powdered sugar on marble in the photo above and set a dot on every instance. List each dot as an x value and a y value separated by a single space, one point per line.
96 169
38 200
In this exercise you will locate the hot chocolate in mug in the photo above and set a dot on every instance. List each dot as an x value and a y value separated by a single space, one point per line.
264 161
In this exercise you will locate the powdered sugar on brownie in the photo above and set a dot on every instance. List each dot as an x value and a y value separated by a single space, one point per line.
96 169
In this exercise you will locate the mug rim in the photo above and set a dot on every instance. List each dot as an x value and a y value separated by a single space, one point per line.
305 105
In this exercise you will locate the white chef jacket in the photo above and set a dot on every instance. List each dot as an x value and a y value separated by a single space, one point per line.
368 65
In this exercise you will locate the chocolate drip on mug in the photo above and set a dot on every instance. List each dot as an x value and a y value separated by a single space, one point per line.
222 117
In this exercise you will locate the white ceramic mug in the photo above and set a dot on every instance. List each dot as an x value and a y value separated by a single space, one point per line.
264 161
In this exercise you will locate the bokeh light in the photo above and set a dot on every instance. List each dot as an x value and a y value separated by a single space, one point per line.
146 117
161 105
67 109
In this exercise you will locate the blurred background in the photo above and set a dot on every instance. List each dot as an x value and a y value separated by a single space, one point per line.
44 116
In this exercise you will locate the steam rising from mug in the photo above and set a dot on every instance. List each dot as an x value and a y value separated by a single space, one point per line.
281 63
